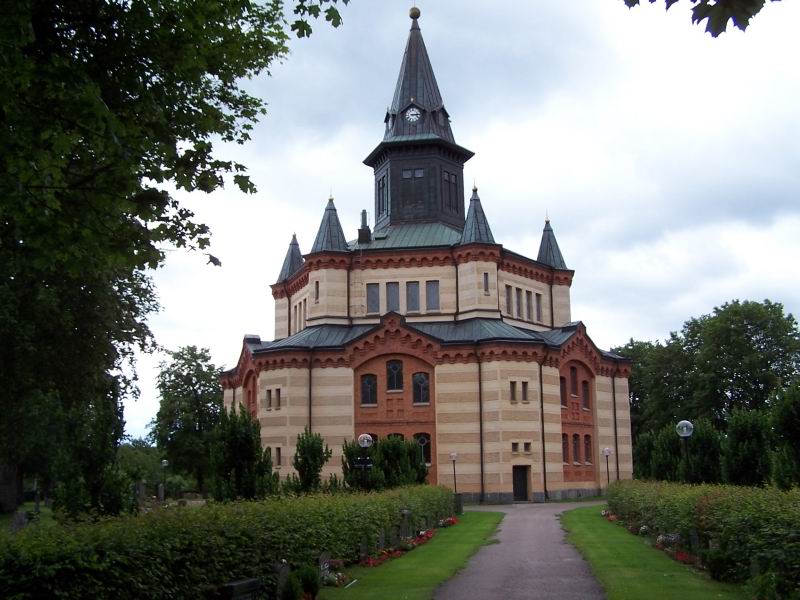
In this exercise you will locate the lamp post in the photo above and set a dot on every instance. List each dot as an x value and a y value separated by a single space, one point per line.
685 429
363 462
607 453
162 491
453 457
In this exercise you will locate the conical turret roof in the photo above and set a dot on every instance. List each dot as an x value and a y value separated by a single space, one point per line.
549 253
330 236
293 261
476 227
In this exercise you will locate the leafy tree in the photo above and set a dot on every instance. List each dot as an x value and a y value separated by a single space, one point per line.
746 448
191 399
786 425
718 13
240 468
395 462
310 456
666 457
105 106
643 455
140 460
700 462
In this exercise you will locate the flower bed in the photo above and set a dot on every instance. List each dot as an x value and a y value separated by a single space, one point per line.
736 533
191 552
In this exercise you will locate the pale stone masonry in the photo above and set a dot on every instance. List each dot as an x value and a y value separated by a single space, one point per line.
428 328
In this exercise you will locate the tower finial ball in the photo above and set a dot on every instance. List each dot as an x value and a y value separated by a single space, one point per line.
414 12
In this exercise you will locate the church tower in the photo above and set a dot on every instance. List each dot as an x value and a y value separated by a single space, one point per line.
419 168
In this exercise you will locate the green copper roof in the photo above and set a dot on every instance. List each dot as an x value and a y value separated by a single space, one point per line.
476 227
330 235
411 235
549 253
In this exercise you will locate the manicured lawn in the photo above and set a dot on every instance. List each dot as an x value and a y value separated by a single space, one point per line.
629 569
416 574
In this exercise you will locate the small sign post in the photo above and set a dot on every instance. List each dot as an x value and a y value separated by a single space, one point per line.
607 453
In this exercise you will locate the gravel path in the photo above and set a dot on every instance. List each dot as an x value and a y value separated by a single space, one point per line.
532 561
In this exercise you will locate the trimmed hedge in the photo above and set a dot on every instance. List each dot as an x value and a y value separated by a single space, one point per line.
191 552
739 533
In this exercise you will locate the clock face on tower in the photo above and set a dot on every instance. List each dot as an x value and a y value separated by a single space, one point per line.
413 114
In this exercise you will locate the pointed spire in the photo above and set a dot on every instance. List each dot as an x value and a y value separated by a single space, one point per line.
417 108
549 252
293 261
476 227
330 235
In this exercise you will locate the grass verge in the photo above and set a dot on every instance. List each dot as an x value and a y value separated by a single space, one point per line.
629 569
415 575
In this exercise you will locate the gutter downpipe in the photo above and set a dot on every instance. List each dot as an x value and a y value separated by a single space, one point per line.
480 417
614 404
310 365
541 416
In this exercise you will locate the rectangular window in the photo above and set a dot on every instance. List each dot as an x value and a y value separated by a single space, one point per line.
519 303
509 302
305 312
432 295
277 457
513 391
393 296
486 284
515 447
269 399
412 296
525 391
316 292
419 173
538 308
373 298
278 398
528 306
527 447
408 173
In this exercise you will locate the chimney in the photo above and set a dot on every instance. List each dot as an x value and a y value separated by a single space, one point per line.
364 234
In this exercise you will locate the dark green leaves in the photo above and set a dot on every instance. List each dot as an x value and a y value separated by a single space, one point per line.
718 13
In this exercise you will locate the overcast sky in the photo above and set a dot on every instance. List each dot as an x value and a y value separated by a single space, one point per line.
668 161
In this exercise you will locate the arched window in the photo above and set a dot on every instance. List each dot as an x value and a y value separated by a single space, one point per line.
573 381
585 394
424 441
394 375
576 448
587 449
563 391
374 437
369 389
421 382
565 447
398 436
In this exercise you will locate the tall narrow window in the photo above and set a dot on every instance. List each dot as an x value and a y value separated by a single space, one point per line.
563 382
278 398
486 284
316 291
587 449
565 447
424 441
394 375
269 399
382 195
513 391
277 457
573 381
529 306
393 296
576 448
305 312
538 308
519 303
585 394
509 302
446 201
412 296
421 382
369 389
373 298
525 391
432 295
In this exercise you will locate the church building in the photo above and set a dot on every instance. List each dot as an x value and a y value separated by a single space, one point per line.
426 327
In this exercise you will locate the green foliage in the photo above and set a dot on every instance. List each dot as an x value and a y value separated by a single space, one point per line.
717 13
395 462
643 455
292 589
745 451
140 461
742 532
309 578
310 456
786 424
189 552
666 456
700 462
239 467
190 403
107 106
